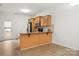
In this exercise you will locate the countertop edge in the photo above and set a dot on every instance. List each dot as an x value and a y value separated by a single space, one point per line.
34 33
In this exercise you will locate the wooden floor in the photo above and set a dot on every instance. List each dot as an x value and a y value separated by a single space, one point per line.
10 48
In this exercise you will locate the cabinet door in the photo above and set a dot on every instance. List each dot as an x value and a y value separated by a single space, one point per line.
28 41
45 38
49 37
37 19
33 24
48 18
25 41
35 39
43 21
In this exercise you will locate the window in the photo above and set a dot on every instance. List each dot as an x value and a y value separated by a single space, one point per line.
7 24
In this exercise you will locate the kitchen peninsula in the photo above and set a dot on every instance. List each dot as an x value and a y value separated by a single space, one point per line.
38 33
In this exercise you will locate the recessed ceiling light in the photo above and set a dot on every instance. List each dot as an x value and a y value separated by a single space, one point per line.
25 10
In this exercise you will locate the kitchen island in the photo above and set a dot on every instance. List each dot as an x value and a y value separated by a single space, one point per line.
30 40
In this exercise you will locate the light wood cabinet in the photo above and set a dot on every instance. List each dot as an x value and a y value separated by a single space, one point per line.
45 38
34 39
33 24
37 38
37 19
43 20
27 41
48 18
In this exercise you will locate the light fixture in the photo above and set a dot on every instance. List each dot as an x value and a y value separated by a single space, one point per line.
25 10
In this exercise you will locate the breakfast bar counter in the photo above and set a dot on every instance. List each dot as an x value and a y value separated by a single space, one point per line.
30 40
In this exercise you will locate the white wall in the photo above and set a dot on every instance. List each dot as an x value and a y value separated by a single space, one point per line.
19 24
66 25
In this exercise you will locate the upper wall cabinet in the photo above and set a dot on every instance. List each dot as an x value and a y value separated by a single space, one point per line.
46 20
33 23
41 22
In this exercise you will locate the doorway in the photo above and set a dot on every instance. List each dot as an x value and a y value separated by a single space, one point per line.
7 30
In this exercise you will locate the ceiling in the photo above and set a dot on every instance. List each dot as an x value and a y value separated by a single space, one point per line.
34 7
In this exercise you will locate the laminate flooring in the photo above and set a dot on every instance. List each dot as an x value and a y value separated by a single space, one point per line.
10 48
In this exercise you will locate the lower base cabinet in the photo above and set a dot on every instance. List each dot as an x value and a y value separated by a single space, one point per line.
34 39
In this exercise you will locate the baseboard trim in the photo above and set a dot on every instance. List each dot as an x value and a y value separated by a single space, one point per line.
7 39
65 46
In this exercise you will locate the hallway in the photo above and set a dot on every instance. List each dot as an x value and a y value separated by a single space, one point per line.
9 48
